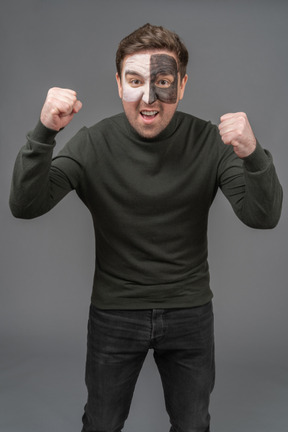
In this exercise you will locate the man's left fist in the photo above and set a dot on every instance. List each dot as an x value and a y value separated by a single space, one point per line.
235 130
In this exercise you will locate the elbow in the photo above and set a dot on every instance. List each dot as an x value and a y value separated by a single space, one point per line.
270 224
264 222
261 225
262 218
273 222
19 211
16 210
266 215
275 213
276 209
28 209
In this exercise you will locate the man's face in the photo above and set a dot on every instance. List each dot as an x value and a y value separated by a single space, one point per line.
150 89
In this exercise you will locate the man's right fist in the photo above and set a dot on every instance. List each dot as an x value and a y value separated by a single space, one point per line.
59 108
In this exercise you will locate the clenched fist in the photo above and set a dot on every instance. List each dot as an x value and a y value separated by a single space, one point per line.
59 108
235 130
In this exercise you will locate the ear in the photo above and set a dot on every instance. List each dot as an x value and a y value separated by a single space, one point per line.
120 88
182 86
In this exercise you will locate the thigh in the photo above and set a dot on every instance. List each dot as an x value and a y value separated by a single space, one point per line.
185 359
117 345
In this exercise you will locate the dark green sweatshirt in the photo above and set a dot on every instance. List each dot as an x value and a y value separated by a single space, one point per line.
149 200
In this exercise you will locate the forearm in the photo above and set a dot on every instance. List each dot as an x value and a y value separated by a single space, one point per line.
263 196
254 190
35 184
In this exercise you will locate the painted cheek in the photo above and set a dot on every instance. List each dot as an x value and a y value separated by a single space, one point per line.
168 95
132 94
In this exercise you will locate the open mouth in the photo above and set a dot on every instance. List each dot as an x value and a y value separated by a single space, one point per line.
148 115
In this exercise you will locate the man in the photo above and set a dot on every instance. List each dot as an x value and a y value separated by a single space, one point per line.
148 176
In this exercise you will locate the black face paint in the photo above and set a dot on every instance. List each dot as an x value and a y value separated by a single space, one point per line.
162 65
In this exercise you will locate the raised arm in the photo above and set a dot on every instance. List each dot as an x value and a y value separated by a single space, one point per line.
254 191
36 185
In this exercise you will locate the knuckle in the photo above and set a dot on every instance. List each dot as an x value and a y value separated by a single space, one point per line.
53 90
242 118
239 132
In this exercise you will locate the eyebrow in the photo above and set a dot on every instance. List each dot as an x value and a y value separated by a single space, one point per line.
161 74
131 72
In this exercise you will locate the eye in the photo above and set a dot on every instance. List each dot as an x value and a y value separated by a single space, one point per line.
163 83
135 82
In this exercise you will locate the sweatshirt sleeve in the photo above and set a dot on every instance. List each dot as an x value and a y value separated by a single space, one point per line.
252 187
37 185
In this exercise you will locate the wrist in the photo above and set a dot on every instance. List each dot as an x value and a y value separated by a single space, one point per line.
43 134
257 160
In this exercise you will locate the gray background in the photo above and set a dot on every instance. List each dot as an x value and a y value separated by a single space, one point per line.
238 62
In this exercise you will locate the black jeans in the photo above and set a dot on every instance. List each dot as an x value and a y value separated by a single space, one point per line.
118 342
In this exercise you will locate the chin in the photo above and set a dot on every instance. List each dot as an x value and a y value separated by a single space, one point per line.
145 133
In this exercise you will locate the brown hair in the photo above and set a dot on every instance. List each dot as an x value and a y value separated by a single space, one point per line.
150 37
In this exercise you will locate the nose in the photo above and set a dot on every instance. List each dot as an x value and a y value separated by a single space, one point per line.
145 96
149 95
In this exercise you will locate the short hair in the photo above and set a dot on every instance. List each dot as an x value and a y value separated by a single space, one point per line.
150 37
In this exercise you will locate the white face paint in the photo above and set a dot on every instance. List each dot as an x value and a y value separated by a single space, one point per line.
150 77
139 64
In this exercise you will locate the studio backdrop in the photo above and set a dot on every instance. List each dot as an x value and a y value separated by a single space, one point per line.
238 62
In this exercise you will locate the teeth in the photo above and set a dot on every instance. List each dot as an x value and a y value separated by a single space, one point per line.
149 113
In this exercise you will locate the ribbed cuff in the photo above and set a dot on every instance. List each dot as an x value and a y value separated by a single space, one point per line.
258 160
43 134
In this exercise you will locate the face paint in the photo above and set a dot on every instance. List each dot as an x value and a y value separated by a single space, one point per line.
150 77
162 67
